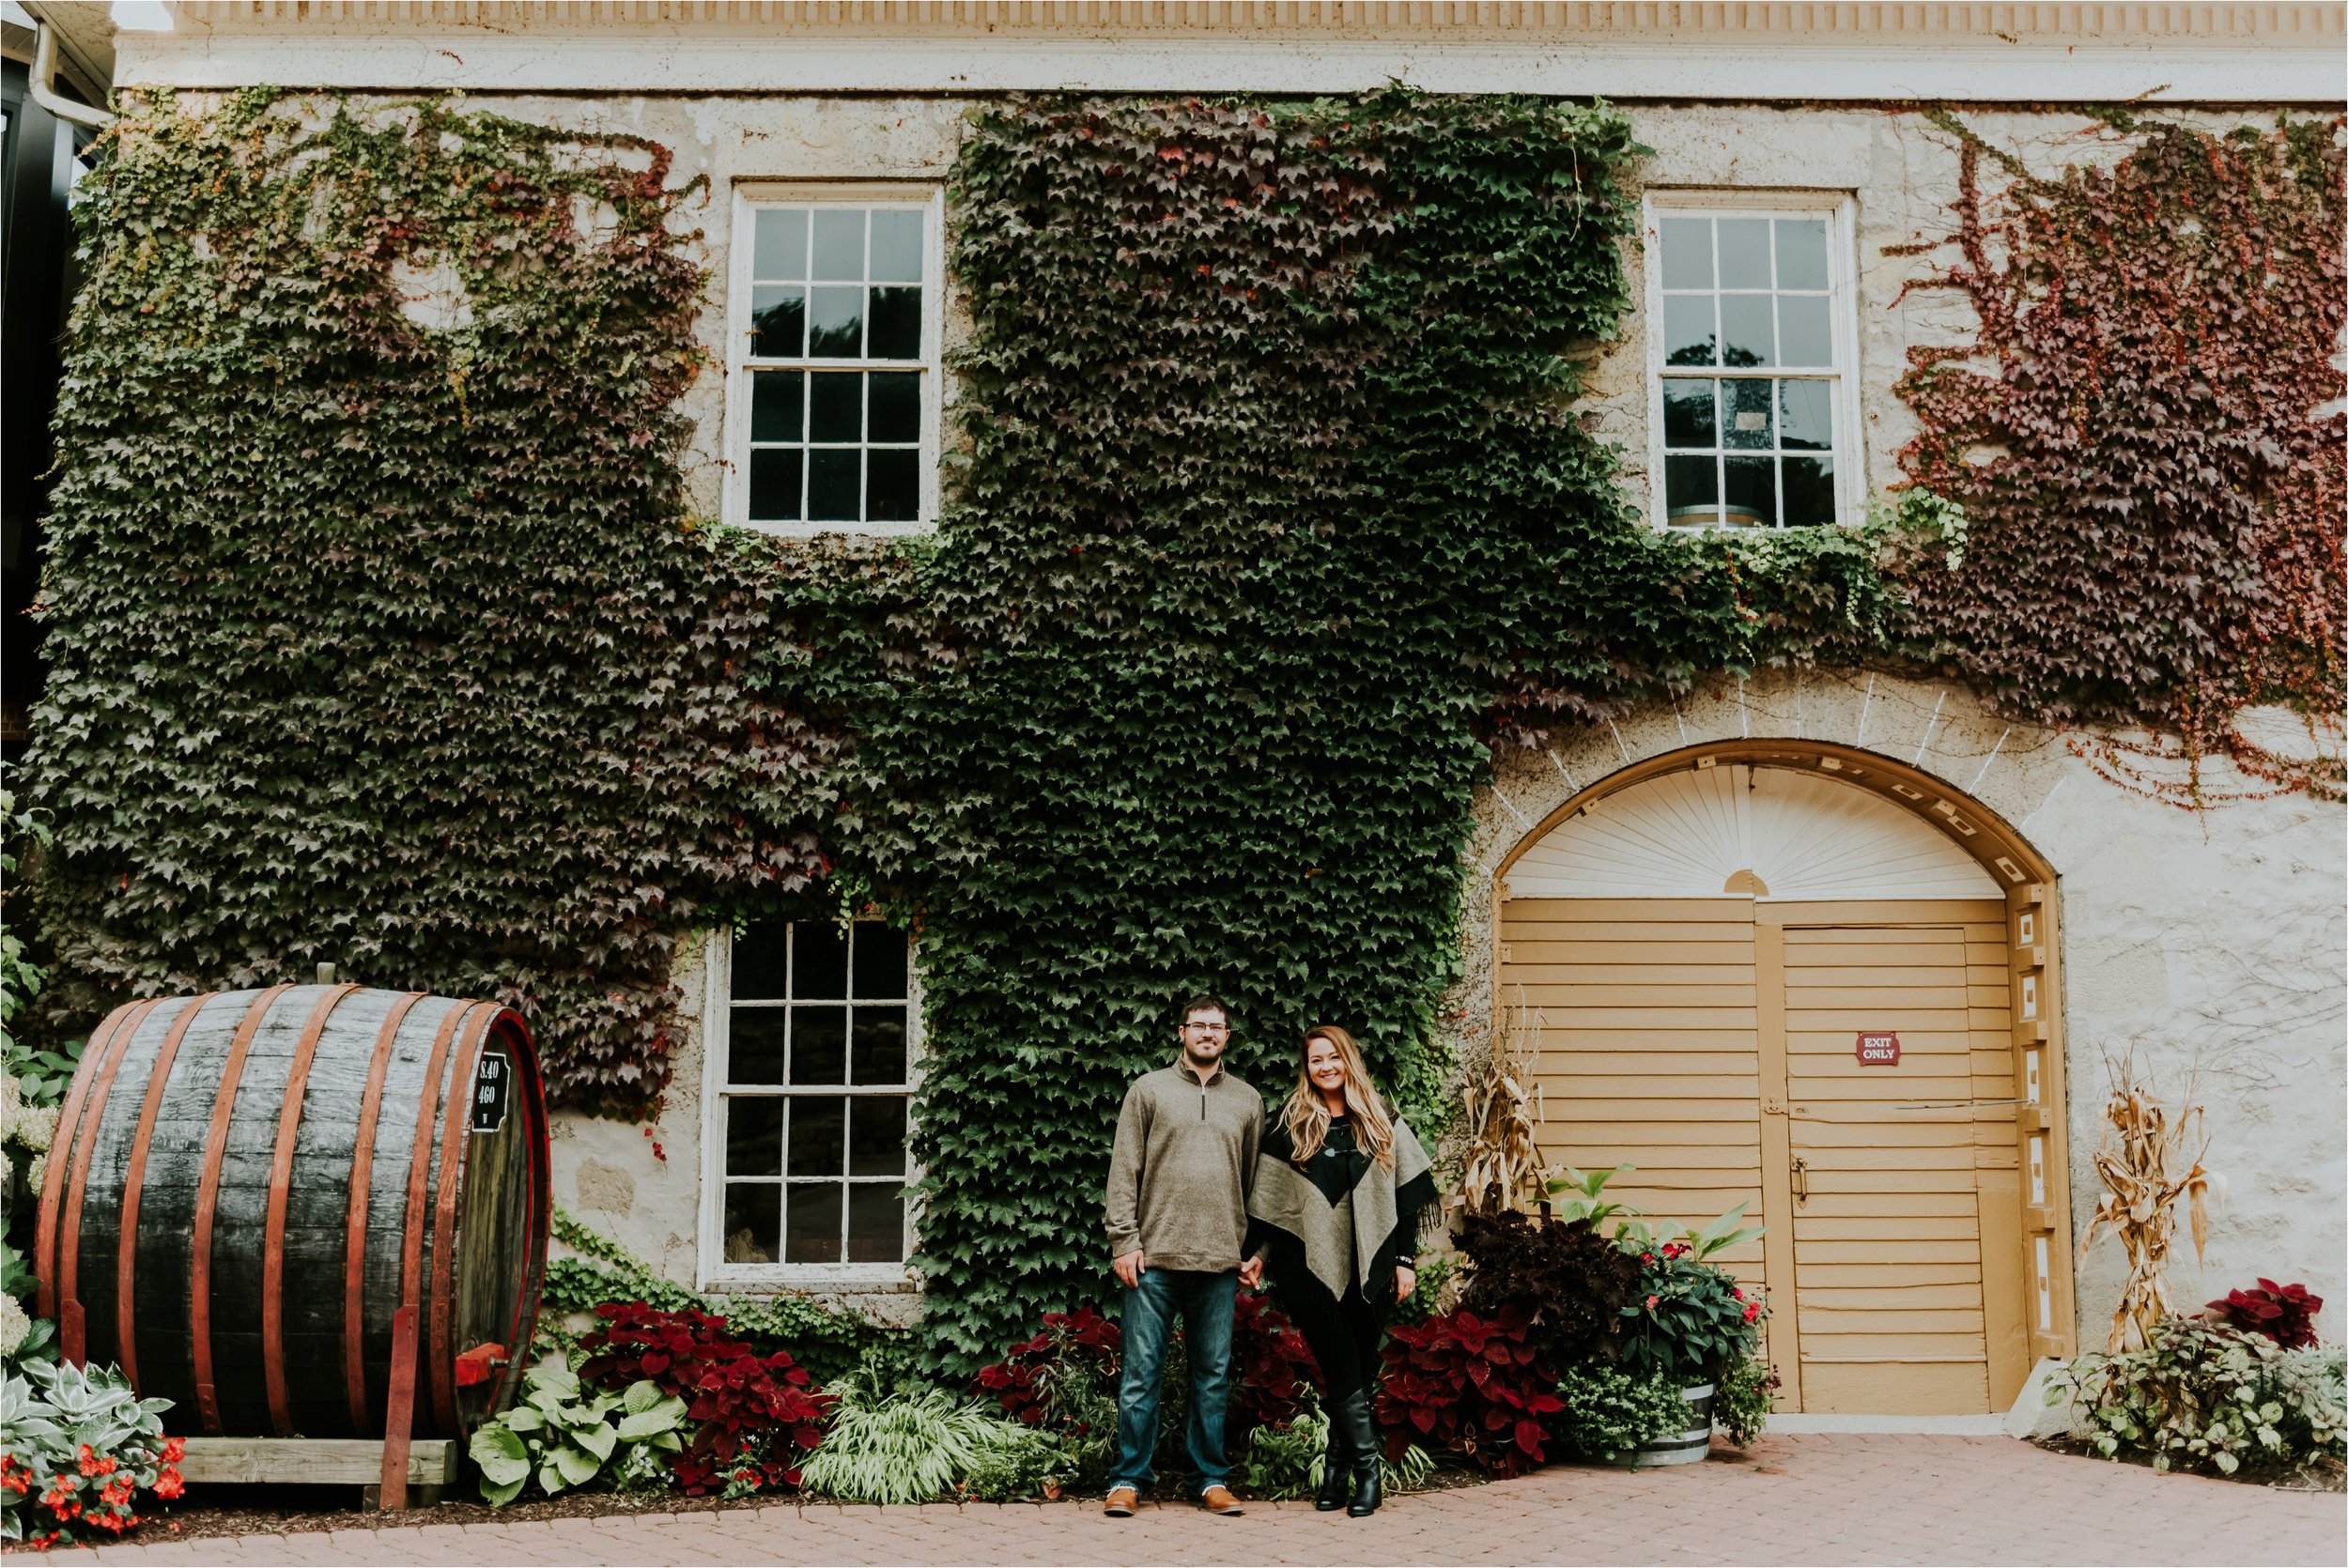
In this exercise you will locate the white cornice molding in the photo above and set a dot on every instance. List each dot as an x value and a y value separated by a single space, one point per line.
2232 52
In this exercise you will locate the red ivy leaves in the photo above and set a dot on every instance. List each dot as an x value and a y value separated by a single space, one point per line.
2146 439
2284 1313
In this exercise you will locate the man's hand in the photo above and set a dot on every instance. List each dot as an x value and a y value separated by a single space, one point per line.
1405 1280
1128 1269
1251 1272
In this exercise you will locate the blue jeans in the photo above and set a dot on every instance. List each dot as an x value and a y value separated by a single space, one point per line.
1206 1303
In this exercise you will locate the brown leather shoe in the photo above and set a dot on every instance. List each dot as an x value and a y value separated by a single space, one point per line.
1218 1500
1120 1502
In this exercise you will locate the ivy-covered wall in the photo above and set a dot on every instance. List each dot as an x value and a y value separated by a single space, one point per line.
385 633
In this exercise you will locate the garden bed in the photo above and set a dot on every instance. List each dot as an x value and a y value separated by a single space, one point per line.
2322 1473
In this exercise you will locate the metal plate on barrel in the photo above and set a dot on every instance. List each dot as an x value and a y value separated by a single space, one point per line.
493 1090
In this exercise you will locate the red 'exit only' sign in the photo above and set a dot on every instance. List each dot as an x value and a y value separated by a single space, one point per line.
1879 1050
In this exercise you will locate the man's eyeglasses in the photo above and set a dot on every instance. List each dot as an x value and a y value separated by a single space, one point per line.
1211 1028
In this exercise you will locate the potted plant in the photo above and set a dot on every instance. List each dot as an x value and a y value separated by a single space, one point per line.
1690 1322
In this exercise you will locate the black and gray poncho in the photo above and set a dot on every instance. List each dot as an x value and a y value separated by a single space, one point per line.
1341 1220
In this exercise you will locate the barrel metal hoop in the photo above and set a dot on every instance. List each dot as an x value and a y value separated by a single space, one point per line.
455 1118
419 1171
273 1226
133 1188
71 1339
60 1150
355 1224
208 1202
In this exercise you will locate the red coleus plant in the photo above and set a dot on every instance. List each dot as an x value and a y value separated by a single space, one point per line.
1272 1367
2284 1313
753 1415
1083 1338
1472 1386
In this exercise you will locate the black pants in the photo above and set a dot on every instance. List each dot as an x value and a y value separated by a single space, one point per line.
1344 1334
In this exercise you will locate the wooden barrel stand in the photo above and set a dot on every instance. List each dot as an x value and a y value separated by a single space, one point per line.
311 1210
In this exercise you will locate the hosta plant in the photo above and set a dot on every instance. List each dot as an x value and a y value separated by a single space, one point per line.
565 1434
2202 1396
1284 1460
80 1447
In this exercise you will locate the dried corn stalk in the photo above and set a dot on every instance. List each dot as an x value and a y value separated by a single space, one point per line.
1504 1113
2150 1160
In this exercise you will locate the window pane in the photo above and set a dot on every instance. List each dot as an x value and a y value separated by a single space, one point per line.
1688 329
897 247
1687 253
819 951
892 492
1747 335
753 1222
880 959
840 243
1805 416
832 485
835 319
1751 486
1745 415
896 411
1688 414
753 1136
877 1137
896 324
1802 253
780 248
778 321
815 1232
877 1224
1808 340
775 484
836 412
819 1134
819 1045
754 1038
778 408
1809 490
760 956
1744 252
1691 491
878 1052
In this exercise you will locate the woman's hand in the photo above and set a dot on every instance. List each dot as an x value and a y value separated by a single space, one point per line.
1405 1282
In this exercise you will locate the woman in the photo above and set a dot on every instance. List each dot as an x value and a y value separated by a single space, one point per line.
1333 1215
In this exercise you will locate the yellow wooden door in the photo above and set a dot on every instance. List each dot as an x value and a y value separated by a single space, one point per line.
1712 1044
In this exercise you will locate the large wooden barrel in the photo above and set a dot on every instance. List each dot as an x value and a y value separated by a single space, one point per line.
235 1208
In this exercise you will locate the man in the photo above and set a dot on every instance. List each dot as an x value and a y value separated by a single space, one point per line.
1177 1215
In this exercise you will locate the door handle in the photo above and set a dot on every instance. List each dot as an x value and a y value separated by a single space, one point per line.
1801 1181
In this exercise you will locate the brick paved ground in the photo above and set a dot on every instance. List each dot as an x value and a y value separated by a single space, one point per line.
1826 1499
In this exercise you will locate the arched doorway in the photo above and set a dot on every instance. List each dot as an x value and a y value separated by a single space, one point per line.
1813 981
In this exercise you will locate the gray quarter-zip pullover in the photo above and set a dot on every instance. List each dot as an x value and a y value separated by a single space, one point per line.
1185 1157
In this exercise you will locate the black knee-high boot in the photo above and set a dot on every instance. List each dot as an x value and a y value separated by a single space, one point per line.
1362 1436
1336 1466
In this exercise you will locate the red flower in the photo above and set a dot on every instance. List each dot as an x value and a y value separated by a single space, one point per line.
1737 1293
1651 1301
1753 1310
168 1485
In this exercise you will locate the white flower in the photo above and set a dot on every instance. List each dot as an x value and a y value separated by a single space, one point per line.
36 1170
14 1325
36 1126
12 1103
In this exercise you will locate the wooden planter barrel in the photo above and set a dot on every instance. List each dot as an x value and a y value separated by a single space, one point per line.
235 1212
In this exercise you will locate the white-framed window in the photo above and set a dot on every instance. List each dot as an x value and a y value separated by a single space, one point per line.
1751 338
811 1054
834 332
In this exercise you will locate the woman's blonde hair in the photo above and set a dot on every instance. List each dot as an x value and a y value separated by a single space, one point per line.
1307 1114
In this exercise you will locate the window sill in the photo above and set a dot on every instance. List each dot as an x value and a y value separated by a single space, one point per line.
814 1279
848 531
